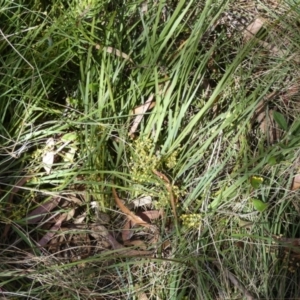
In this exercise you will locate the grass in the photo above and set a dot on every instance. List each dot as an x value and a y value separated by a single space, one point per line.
72 75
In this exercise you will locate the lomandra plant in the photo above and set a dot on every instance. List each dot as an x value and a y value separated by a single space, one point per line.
73 76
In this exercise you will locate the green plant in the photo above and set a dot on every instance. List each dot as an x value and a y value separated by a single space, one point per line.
72 73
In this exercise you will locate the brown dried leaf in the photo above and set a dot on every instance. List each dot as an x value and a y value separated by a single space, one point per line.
127 232
70 214
275 50
100 231
288 241
114 51
39 213
296 183
49 235
144 8
140 112
70 199
137 243
130 215
150 214
253 29
48 157
80 219
142 201
142 296
146 216
268 126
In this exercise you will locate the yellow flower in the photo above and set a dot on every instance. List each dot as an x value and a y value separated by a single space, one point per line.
191 220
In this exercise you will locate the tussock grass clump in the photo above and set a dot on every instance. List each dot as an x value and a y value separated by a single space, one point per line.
222 131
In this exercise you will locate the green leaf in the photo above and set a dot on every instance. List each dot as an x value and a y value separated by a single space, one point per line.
272 161
280 120
69 137
259 205
295 128
256 181
93 87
